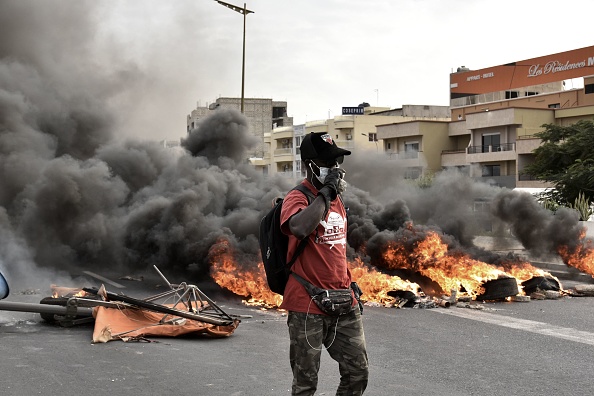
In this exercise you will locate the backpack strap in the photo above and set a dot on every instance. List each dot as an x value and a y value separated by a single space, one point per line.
306 191
310 197
311 289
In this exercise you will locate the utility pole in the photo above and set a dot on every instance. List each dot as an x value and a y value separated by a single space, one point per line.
243 11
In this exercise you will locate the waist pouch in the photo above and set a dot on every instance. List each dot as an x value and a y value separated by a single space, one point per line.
332 302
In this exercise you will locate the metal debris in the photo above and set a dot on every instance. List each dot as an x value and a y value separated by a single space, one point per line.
132 278
520 298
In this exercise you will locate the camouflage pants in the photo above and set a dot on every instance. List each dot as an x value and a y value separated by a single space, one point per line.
347 347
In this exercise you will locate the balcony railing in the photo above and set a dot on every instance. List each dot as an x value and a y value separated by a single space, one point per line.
283 151
526 177
405 155
492 148
500 181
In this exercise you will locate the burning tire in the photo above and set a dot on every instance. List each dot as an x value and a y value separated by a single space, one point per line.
498 289
404 295
540 283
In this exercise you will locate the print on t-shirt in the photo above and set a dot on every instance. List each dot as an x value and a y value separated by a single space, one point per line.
334 233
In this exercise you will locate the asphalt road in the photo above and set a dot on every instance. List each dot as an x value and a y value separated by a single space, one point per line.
535 348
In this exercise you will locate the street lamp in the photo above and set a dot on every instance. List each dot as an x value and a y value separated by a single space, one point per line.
243 11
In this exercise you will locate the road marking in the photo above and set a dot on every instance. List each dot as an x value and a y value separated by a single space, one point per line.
566 333
101 278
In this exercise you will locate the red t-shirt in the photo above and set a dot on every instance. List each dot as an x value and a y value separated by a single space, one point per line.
323 261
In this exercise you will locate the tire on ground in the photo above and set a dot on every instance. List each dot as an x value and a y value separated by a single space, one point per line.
540 282
498 289
404 294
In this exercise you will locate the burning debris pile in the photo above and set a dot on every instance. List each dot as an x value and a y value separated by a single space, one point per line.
75 195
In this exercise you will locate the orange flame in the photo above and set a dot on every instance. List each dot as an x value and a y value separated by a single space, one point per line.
375 285
59 291
451 271
252 284
429 256
524 271
581 257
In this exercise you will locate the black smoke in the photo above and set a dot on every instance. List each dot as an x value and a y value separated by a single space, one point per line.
534 226
75 194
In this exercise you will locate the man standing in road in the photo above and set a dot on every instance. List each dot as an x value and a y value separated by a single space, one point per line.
322 263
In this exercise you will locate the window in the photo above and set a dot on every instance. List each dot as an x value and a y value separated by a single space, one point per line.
493 140
278 112
411 150
482 205
589 88
511 94
389 146
530 93
554 106
412 173
372 137
491 170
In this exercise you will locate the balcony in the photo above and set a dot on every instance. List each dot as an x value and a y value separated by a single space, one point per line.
282 133
345 144
408 158
458 129
344 122
453 158
527 144
283 151
499 152
500 181
491 149
487 119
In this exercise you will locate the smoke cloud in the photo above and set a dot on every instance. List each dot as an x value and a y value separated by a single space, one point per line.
75 195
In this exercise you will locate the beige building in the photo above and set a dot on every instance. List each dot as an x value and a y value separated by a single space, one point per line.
487 131
262 114
495 113
358 132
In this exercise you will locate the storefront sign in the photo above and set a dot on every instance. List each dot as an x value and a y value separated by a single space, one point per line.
353 110
542 70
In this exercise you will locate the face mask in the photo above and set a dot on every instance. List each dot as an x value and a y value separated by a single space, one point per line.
323 172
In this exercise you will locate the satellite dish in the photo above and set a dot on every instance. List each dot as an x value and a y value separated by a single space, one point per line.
3 287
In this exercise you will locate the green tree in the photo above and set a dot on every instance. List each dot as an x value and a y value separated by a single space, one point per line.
566 159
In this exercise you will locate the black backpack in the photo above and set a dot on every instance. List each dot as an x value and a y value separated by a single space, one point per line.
274 245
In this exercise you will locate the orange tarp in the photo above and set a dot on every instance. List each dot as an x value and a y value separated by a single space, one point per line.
124 324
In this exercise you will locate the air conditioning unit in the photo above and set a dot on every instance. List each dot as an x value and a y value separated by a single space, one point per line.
349 136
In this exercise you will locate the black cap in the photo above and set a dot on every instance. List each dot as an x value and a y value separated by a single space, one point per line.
321 146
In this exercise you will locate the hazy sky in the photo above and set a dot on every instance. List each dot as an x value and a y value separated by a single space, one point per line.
318 55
